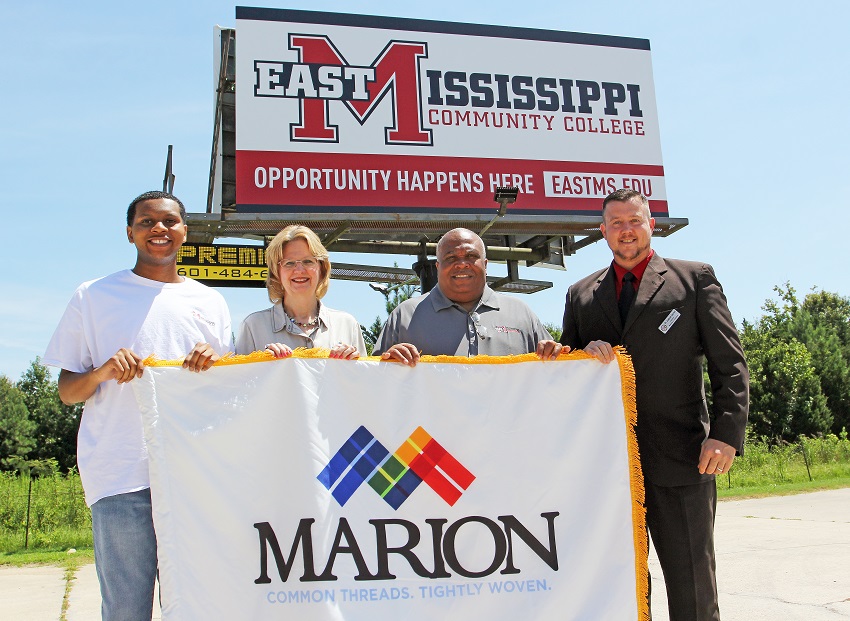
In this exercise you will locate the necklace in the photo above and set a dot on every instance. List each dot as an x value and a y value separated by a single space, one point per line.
307 324
304 324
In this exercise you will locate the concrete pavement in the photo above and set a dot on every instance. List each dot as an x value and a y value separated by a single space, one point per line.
31 593
37 593
84 600
786 557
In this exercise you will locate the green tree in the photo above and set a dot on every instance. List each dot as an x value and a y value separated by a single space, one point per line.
821 322
371 334
554 329
56 424
393 296
786 400
397 294
16 428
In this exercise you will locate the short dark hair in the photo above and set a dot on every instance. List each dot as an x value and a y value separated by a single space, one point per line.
624 195
152 196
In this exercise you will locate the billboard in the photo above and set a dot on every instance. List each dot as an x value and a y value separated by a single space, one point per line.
373 115
223 265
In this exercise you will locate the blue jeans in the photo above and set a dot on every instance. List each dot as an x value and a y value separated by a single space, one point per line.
125 555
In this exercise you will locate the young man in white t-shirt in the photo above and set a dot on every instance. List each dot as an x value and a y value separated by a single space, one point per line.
109 327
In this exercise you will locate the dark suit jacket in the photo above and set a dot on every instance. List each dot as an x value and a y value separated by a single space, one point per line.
673 420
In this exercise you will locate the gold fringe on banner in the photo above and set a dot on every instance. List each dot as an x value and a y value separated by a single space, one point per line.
319 353
627 380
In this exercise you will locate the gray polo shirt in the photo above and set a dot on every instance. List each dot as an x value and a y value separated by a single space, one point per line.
271 325
499 326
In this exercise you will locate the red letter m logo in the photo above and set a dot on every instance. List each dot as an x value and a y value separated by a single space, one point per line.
396 72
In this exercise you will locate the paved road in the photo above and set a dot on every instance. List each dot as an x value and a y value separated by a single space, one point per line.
782 558
786 557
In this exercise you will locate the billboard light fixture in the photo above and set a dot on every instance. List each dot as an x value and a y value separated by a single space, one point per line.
504 196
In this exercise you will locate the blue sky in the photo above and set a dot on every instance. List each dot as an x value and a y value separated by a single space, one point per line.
752 103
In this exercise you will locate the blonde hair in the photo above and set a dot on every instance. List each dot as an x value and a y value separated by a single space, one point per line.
274 254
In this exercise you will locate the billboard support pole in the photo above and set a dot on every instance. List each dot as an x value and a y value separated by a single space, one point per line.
168 179
426 269
217 121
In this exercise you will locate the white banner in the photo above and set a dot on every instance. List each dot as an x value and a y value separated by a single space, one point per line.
311 488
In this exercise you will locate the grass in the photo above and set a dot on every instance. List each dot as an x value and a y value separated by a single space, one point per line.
779 489
768 469
57 539
61 558
47 513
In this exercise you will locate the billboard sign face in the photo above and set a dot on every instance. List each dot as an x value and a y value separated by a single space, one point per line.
223 265
355 114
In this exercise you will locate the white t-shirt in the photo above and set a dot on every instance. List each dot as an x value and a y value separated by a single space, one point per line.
147 317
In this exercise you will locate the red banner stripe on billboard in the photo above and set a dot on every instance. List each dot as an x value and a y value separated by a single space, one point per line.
351 182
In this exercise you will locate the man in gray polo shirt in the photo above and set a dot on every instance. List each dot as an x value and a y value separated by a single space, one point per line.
461 316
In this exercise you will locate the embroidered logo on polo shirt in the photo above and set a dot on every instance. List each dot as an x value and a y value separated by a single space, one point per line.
197 315
506 329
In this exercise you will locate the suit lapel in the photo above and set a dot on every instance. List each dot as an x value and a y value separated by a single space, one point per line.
605 295
653 279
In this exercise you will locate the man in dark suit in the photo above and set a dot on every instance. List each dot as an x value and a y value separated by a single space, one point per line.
670 315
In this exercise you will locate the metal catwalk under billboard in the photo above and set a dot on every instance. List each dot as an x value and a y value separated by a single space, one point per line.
350 113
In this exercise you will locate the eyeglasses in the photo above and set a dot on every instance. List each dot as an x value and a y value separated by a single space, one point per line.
307 264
